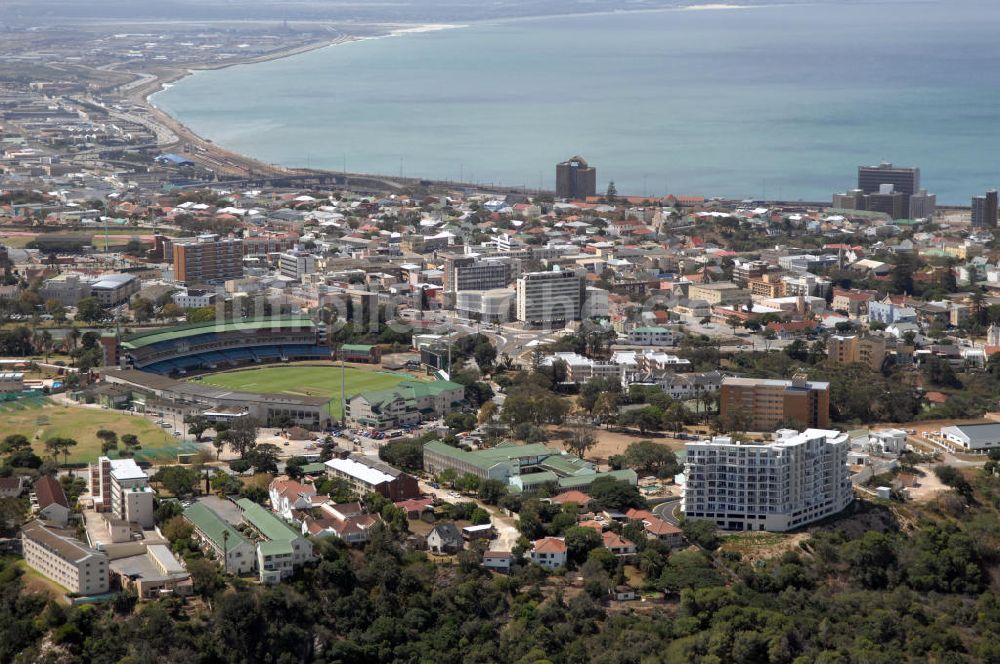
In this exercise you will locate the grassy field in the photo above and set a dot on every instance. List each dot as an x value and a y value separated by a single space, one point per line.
39 419
305 381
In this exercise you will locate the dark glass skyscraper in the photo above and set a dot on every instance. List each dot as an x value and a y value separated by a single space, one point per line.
575 179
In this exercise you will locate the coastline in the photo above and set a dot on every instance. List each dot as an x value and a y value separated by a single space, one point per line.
219 158
229 162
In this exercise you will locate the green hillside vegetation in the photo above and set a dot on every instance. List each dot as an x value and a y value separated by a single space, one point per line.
887 583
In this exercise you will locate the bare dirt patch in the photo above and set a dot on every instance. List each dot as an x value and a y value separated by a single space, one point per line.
612 442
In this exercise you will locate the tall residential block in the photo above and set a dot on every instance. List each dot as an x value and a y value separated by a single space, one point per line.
868 350
984 210
546 298
208 259
575 179
770 404
56 554
776 486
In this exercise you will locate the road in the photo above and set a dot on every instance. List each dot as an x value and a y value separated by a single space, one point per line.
665 510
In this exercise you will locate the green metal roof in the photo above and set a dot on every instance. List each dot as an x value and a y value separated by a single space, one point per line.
586 480
270 526
183 331
212 526
651 330
532 479
276 548
317 467
357 348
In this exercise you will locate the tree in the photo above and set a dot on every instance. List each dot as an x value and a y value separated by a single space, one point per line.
580 541
59 445
404 454
242 436
612 193
131 442
581 439
606 407
197 426
171 310
177 528
109 440
178 480
14 443
701 532
264 458
648 458
293 467
142 309
612 494
89 310
645 419
487 412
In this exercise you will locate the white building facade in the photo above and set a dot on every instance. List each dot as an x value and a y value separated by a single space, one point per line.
776 486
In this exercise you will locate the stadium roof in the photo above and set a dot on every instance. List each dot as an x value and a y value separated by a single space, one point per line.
183 331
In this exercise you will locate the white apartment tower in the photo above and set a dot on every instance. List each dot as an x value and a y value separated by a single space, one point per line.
794 480
546 298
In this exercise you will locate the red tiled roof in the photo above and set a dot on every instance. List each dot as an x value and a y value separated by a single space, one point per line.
574 496
657 526
613 540
49 491
550 545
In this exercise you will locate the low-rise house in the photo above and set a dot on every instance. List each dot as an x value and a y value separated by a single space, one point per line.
658 529
549 552
624 593
49 501
288 495
573 497
414 507
618 545
445 538
11 487
59 556
347 521
499 561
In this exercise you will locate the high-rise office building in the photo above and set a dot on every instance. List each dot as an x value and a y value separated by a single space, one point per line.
922 205
773 403
546 298
794 480
575 179
889 201
463 272
208 259
905 180
984 210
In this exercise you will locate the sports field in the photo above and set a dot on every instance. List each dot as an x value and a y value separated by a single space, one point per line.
39 418
305 381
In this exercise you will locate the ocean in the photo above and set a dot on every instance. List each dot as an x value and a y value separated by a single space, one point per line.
763 102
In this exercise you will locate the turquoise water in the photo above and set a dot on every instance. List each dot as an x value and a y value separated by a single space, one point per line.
769 101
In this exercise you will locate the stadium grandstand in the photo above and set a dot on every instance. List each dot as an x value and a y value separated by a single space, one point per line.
222 345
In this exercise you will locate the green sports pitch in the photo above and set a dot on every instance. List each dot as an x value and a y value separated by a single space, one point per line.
304 381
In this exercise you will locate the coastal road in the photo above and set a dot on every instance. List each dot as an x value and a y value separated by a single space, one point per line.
665 510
